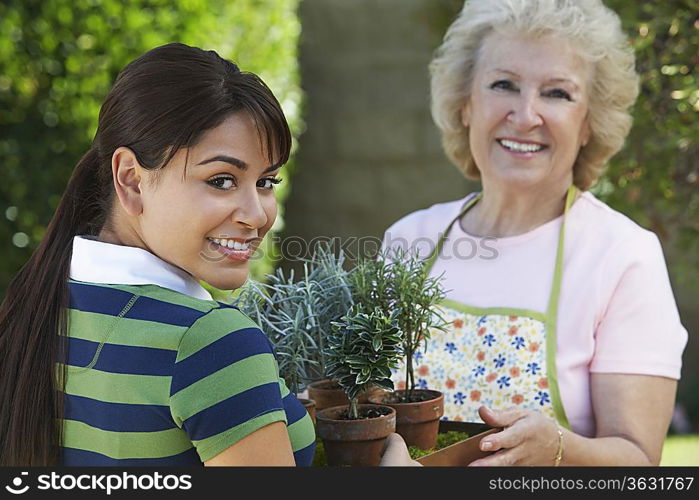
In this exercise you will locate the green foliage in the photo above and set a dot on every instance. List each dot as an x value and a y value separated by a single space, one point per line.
655 178
362 349
58 59
296 315
397 282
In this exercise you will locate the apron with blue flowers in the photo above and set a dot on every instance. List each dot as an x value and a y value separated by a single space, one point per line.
496 356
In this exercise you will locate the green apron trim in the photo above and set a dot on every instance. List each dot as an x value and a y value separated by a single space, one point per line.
503 311
552 309
552 319
549 318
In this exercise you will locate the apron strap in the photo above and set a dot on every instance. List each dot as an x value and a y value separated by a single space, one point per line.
429 262
552 308
552 319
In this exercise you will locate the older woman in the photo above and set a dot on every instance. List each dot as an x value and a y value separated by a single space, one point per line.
563 326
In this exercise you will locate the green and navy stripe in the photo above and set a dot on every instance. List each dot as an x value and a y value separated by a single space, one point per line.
155 377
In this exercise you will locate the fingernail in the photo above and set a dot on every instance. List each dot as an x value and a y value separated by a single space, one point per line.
486 445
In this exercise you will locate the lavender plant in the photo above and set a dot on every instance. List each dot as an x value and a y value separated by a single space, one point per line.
297 315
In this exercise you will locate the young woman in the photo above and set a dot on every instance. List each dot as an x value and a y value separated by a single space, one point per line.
111 353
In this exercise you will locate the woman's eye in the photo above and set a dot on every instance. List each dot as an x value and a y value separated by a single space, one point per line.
268 182
222 183
503 85
559 94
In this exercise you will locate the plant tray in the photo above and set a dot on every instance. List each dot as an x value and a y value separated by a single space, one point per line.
461 453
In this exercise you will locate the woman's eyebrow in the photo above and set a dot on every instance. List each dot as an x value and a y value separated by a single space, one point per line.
227 159
500 70
564 80
549 81
236 162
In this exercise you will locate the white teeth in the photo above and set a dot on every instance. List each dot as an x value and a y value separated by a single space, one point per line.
521 147
232 244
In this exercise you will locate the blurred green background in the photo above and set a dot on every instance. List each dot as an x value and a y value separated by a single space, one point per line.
58 59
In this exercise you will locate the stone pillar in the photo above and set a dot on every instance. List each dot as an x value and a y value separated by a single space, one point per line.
370 153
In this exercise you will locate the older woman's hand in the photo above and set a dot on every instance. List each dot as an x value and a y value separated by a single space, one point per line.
528 438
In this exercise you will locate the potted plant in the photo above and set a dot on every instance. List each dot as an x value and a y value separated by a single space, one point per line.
278 308
364 346
398 281
297 316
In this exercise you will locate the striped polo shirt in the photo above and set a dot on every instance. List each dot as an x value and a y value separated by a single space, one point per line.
160 375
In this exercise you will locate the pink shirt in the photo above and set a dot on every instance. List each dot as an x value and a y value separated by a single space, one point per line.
617 313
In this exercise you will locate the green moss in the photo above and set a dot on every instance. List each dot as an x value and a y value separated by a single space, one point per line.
443 440
319 458
416 452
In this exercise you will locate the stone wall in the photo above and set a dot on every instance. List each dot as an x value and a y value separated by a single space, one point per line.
371 152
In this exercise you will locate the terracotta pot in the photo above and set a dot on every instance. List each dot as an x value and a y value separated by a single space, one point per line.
310 406
417 422
364 397
326 393
354 442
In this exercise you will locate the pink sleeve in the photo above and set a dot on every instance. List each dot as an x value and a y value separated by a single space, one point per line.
639 331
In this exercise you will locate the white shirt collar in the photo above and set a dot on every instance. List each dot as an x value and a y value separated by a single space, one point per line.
95 261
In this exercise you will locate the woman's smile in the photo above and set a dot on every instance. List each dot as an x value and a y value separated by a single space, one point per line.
238 249
521 148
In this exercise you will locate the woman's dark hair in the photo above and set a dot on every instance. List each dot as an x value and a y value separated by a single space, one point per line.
161 102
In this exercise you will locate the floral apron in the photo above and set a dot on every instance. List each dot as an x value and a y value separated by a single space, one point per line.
495 356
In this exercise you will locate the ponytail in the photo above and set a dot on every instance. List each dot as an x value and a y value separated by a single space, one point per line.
161 102
31 314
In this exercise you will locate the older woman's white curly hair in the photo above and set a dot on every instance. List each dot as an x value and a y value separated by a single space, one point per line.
595 33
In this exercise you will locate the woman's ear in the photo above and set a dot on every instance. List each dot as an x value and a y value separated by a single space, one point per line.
466 114
586 132
127 177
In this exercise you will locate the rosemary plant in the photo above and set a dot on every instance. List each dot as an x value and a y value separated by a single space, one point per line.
398 282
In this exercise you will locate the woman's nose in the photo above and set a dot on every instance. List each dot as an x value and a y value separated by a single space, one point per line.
525 114
249 211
